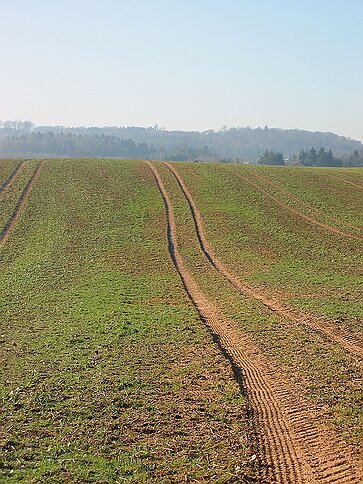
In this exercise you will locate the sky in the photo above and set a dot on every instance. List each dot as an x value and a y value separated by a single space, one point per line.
189 65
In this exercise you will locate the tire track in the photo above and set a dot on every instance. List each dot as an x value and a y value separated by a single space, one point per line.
299 200
298 213
14 217
346 340
296 448
7 184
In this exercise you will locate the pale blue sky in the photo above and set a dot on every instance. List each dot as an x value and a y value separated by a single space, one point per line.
184 64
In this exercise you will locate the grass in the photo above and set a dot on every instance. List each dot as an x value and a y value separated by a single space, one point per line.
327 376
107 373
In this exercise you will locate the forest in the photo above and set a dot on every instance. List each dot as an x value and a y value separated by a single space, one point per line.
243 145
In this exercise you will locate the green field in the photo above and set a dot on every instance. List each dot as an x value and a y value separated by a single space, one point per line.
109 374
6 166
310 267
303 353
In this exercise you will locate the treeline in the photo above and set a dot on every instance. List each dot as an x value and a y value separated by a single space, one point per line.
18 138
319 158
60 144
313 157
78 145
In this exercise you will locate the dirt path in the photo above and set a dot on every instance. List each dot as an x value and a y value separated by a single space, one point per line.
299 200
7 184
344 339
4 234
298 213
295 446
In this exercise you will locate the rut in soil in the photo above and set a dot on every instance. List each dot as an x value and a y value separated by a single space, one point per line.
295 447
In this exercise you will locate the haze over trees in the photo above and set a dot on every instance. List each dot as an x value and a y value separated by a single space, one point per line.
24 139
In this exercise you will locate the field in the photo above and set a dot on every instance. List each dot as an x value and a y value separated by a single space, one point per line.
180 322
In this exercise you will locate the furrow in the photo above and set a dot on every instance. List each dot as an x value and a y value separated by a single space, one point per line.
4 234
345 340
280 416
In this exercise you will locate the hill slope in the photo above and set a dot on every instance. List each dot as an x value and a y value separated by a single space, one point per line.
181 322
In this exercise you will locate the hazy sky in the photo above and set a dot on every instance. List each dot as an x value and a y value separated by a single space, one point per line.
186 64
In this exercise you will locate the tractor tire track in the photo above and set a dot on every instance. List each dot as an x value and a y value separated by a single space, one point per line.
346 340
299 200
4 234
300 214
7 184
295 447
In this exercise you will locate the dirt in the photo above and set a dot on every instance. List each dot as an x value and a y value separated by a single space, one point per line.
296 447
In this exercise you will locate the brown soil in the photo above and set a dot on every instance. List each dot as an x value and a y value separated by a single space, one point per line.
348 341
294 444
7 184
4 234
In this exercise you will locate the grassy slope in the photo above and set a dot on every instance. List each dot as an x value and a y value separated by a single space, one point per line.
324 372
108 375
309 267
